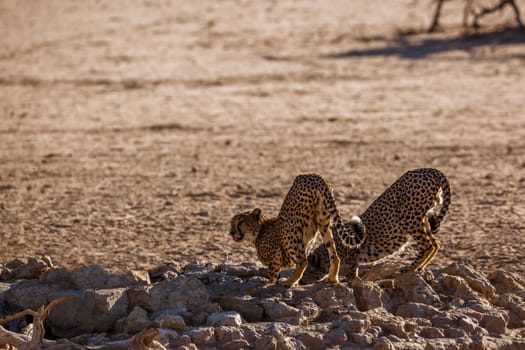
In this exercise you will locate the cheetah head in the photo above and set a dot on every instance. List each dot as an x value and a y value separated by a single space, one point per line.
246 225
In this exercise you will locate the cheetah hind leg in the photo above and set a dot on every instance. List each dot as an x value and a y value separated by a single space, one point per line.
328 241
317 269
353 272
430 227
351 260
428 247
326 252
432 221
435 245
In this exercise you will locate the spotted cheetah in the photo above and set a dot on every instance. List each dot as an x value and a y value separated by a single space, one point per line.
406 209
281 241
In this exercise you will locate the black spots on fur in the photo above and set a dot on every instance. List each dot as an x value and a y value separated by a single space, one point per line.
359 230
315 261
433 222
309 206
348 241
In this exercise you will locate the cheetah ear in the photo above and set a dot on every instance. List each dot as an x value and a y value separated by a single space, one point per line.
257 213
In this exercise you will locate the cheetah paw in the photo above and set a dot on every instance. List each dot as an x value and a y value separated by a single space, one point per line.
287 283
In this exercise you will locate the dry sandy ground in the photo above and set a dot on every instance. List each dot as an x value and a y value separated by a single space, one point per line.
131 132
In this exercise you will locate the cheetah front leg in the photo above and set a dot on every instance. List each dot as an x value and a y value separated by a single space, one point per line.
272 256
273 271
297 273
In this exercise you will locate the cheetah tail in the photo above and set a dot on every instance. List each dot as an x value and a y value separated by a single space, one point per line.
445 188
354 232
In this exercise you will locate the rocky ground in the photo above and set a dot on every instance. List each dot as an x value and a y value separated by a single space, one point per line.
131 132
225 306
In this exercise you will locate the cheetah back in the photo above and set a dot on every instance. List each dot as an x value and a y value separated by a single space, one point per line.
404 210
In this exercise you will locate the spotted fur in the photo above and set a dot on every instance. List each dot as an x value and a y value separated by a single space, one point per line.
407 209
281 241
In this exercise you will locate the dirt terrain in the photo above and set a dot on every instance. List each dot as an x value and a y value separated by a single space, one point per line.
131 132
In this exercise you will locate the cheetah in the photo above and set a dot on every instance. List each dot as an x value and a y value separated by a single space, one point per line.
406 209
281 241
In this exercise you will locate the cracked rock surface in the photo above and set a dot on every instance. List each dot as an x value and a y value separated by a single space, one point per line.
208 306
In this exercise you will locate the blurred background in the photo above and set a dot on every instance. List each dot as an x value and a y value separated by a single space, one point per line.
131 131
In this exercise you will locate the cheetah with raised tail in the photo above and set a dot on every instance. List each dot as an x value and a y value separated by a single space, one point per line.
281 241
407 209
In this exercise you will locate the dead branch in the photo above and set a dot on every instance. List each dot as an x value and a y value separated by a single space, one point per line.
17 316
488 10
141 341
37 340
11 338
21 341
435 18
467 10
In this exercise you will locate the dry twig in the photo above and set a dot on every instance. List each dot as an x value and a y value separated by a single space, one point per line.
502 3
141 341
467 10
17 316
435 18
